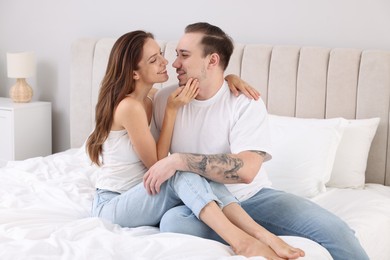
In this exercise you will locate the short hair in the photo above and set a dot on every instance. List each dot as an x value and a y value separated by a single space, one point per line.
215 40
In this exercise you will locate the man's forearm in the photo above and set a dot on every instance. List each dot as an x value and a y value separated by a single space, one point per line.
223 168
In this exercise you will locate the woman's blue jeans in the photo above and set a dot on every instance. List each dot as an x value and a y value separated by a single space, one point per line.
136 207
282 214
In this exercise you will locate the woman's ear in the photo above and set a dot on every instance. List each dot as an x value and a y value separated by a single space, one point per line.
135 75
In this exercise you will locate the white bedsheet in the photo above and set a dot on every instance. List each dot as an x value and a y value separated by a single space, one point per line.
367 211
45 205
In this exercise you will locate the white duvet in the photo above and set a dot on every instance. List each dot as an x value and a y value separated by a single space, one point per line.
45 205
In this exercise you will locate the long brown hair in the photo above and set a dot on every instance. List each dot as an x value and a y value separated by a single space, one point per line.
116 84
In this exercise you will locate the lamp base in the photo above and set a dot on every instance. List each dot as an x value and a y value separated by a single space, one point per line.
21 92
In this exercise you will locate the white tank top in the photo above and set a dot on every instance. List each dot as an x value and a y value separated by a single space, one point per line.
121 168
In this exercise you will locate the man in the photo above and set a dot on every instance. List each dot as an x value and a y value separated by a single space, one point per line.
225 139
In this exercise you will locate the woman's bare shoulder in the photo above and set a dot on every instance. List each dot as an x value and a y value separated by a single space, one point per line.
129 106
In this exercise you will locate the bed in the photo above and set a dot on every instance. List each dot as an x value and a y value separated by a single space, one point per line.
330 105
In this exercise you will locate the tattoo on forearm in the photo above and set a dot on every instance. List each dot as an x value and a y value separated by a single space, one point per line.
213 165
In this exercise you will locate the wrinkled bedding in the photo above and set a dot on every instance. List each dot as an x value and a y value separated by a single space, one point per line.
45 207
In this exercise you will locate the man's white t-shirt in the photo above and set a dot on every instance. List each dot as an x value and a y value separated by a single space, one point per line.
222 124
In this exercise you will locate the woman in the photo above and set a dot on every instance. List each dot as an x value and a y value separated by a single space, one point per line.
123 146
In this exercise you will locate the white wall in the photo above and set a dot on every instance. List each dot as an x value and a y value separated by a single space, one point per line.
49 27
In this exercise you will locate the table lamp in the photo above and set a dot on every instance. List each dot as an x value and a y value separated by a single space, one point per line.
21 66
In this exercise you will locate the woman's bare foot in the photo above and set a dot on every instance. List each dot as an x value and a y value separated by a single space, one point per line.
282 249
249 246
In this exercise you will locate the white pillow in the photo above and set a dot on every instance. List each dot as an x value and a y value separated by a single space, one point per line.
303 153
351 158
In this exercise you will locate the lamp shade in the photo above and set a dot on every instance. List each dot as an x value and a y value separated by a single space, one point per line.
21 65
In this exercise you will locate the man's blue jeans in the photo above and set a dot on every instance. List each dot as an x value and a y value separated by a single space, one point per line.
282 214
136 207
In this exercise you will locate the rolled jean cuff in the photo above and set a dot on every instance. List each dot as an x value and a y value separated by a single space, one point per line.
228 200
201 201
223 194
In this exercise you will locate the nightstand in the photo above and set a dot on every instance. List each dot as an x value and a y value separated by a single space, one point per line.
25 130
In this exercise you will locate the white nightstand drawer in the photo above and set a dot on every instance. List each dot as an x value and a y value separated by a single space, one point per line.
25 130
6 136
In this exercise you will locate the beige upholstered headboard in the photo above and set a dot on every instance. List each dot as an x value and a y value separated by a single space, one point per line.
309 82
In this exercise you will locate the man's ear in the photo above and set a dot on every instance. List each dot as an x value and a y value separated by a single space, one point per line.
135 75
214 59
